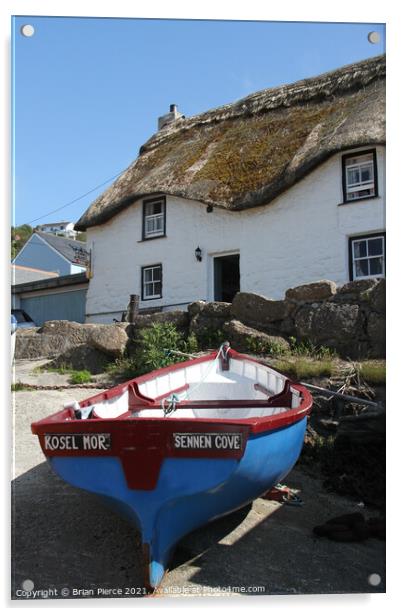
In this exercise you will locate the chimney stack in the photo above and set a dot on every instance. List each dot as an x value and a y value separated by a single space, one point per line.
173 115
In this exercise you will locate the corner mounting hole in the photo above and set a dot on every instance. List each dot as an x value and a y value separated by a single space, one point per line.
27 30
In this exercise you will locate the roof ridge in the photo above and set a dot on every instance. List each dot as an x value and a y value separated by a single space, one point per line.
246 153
279 96
59 237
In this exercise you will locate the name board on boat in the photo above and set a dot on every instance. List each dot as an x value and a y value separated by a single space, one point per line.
78 442
216 441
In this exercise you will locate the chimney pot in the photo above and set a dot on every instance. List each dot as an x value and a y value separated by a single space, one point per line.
173 115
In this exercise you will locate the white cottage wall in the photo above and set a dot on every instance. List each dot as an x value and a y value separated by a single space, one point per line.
299 237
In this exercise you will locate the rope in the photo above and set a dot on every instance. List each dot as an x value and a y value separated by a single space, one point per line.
175 398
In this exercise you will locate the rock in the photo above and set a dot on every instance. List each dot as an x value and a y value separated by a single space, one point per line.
110 339
35 346
82 357
219 310
376 297
258 311
195 308
287 327
75 333
208 319
248 340
329 324
376 330
314 291
355 290
179 318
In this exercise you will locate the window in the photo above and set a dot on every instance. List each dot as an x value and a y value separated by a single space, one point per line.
151 282
154 218
359 175
367 256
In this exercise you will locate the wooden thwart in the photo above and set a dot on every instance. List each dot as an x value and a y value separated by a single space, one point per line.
283 399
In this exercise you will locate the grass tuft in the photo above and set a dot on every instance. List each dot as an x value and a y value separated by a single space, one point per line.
373 372
304 368
18 386
79 377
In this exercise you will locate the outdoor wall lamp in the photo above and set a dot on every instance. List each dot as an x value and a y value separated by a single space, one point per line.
198 253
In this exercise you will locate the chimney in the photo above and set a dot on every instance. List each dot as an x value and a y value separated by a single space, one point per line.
173 115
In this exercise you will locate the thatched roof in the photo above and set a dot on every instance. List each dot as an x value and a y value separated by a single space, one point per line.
245 154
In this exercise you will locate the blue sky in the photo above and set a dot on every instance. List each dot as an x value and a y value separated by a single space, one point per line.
87 92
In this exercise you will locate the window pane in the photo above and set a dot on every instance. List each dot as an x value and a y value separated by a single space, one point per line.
153 208
158 288
375 246
353 176
362 268
359 249
148 275
356 160
376 266
366 173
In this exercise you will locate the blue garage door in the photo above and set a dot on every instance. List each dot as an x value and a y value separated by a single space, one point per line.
69 306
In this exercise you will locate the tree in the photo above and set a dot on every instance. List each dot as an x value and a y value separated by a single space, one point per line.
19 236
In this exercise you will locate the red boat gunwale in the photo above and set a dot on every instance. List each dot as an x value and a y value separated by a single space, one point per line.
256 425
142 443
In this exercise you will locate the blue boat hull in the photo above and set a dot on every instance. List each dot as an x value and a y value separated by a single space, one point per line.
190 491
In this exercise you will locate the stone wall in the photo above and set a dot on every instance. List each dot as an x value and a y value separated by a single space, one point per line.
349 319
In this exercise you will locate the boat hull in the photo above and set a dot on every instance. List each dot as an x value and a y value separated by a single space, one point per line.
189 491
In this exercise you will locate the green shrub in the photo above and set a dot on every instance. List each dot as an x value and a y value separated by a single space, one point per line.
80 376
153 351
262 347
307 349
123 369
210 338
154 344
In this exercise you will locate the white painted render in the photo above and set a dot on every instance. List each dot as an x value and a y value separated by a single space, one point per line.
300 237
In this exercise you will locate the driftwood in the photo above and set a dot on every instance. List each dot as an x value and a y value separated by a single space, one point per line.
329 394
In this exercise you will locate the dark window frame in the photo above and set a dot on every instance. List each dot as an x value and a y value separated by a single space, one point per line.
146 202
365 236
143 268
372 151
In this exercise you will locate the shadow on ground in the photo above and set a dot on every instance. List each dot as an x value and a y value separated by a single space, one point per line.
66 538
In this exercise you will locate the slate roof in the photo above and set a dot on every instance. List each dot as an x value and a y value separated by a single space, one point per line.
64 245
21 274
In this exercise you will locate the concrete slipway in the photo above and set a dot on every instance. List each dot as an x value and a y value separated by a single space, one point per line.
66 544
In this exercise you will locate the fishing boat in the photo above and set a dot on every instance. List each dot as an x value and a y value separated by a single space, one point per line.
180 446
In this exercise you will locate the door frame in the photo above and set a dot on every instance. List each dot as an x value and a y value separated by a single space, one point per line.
211 270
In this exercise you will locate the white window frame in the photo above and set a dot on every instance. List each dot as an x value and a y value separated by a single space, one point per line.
154 219
354 259
353 191
144 283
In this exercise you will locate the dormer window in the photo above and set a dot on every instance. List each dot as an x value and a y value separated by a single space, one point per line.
154 218
359 175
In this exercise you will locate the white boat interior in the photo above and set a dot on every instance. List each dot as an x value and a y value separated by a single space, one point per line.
244 380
